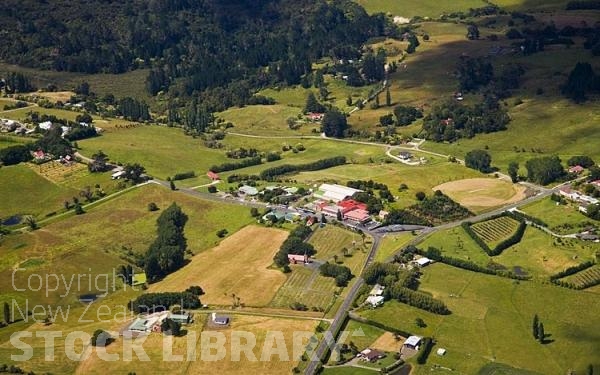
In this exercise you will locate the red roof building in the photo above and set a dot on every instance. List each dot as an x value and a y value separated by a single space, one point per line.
212 175
314 116
39 154
358 215
298 258
576 169
348 205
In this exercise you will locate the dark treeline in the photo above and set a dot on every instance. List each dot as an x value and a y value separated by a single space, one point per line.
151 302
219 51
294 244
270 174
236 165
515 238
581 82
572 270
401 284
341 274
452 120
166 254
16 83
183 175
435 254
583 5
545 170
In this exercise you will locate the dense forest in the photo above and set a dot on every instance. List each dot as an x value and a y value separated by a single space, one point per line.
220 51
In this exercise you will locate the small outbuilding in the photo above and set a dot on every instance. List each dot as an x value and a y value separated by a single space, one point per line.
248 190
441 352
413 342
423 261
375 301
213 176
221 320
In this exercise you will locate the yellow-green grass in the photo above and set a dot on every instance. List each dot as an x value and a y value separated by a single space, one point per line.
331 240
305 286
426 8
361 334
81 318
418 178
121 85
95 241
162 151
290 96
238 266
108 123
586 276
390 244
534 5
347 370
8 141
494 231
546 123
488 312
538 254
25 192
456 243
265 120
563 219
482 194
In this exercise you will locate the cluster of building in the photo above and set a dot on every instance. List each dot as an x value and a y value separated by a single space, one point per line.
375 298
12 126
583 200
409 347
153 322
335 200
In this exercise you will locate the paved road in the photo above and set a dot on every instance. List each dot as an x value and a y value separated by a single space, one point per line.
340 316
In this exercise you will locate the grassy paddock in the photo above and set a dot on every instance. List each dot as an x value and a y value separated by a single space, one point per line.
563 219
86 243
238 266
426 8
488 312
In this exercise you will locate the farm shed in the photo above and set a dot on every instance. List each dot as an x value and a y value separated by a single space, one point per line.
412 342
334 192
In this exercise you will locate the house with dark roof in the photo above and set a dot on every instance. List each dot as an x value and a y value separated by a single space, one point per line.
221 320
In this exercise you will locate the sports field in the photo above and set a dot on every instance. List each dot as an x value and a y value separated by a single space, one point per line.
480 194
237 266
488 312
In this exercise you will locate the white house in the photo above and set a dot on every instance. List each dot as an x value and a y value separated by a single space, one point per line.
46 125
334 192
423 261
412 342
377 290
375 301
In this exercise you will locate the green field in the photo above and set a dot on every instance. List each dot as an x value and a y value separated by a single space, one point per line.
25 192
538 254
488 312
305 285
562 219
162 151
89 239
265 120
424 8
330 242
7 141
584 277
494 231
120 85
390 244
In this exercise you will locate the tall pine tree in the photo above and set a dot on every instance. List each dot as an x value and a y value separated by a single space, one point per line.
534 327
